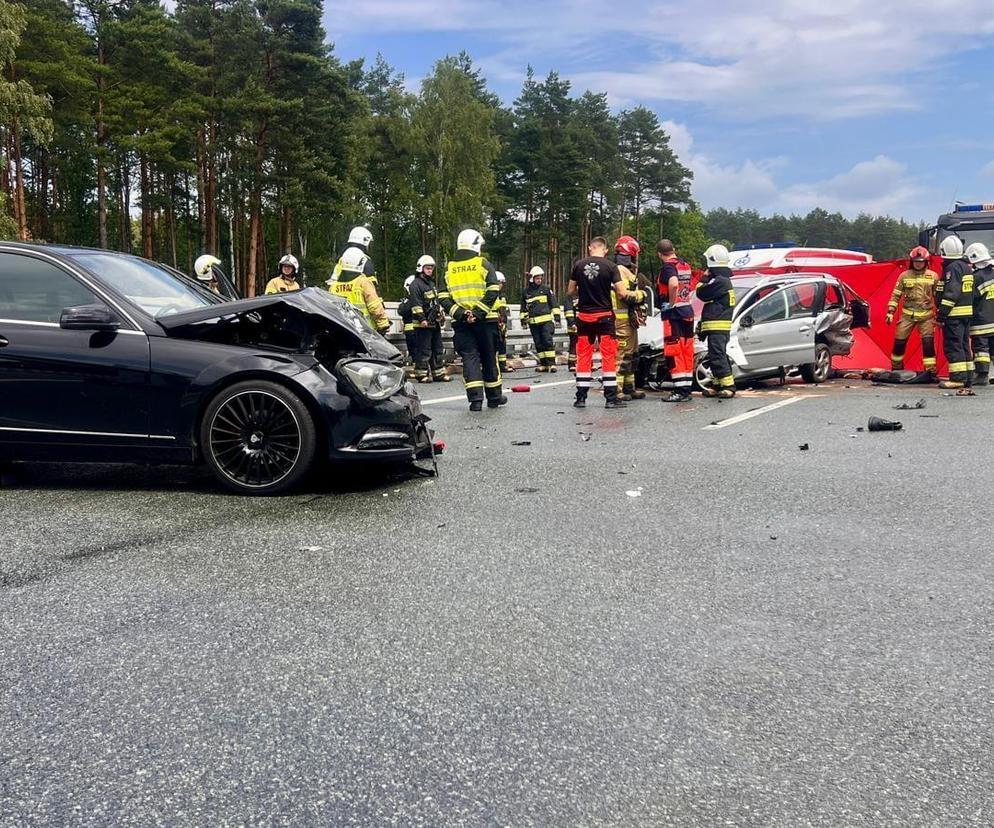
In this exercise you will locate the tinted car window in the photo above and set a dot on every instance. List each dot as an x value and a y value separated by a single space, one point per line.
152 288
33 290
770 309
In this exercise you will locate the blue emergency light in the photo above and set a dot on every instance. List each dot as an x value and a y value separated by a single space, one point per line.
974 208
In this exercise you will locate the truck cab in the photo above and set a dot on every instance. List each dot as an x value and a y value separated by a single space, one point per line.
971 222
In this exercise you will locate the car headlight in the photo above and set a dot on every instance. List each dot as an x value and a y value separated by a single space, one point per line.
373 380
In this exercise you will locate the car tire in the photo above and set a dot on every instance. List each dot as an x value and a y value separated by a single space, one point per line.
258 438
702 373
818 371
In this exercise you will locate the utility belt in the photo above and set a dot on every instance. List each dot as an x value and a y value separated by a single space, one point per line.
596 324
916 314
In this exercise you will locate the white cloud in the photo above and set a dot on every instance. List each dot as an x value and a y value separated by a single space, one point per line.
880 186
741 58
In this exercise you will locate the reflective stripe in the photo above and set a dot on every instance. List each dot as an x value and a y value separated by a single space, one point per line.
725 382
980 356
474 384
916 314
716 326
540 320
495 384
948 302
982 330
929 362
410 326
958 367
962 310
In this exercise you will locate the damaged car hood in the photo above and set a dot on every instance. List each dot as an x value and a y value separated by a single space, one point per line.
312 302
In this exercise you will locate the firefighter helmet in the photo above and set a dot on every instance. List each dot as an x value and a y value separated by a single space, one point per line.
951 247
204 265
978 255
716 256
291 260
407 284
424 262
353 260
360 235
627 246
469 240
919 254
500 277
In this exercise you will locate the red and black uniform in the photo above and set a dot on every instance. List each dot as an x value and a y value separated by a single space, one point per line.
954 313
595 278
718 296
679 313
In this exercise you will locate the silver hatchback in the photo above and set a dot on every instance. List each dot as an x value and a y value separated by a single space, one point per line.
781 324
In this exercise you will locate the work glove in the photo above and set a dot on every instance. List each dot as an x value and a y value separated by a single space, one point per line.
571 329
889 318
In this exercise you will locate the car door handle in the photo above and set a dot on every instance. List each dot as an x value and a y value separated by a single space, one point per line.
804 328
4 341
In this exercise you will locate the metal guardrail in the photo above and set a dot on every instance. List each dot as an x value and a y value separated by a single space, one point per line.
519 342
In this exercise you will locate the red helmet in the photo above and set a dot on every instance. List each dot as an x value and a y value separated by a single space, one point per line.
627 246
919 253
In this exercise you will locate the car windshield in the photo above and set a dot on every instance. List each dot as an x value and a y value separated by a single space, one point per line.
984 235
152 288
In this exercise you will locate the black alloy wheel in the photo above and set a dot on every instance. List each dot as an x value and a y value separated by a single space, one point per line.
258 438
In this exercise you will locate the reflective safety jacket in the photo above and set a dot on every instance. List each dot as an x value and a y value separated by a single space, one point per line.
500 309
982 323
623 308
718 296
917 289
359 290
680 306
369 270
281 285
471 286
425 305
538 305
957 290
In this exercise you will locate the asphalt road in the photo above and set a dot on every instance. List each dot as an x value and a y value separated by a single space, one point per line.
662 624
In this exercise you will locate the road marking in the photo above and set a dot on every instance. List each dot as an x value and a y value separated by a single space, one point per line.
754 413
463 396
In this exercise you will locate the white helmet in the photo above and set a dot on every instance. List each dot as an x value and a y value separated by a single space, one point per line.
716 256
290 259
353 260
951 247
407 284
469 240
360 235
424 260
202 267
978 255
500 277
535 271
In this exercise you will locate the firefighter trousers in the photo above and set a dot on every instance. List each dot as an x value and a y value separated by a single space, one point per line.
926 330
721 368
502 347
572 351
428 358
628 343
982 346
956 344
543 337
476 343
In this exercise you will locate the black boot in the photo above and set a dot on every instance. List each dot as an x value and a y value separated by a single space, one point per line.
612 400
677 397
497 402
581 400
476 405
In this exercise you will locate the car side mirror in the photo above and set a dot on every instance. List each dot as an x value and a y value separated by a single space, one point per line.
747 322
89 318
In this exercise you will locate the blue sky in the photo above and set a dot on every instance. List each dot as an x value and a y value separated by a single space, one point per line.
884 106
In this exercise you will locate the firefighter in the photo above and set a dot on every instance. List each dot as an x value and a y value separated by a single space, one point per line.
627 316
502 316
540 312
982 324
359 238
428 316
407 319
569 314
676 310
470 293
354 285
593 281
916 286
954 313
718 296
286 281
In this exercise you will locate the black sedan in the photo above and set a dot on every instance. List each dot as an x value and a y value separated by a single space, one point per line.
109 358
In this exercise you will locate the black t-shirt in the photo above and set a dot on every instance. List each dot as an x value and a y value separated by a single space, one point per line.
595 278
